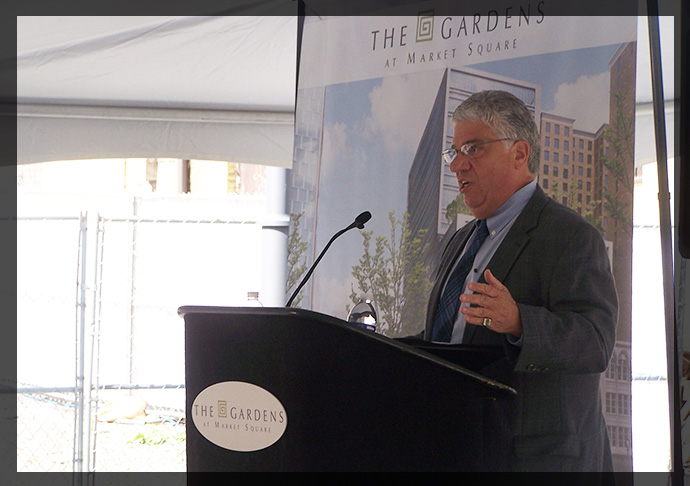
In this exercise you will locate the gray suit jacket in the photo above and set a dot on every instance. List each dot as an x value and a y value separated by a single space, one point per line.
556 267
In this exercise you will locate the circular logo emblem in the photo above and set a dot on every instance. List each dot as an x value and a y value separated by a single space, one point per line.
239 416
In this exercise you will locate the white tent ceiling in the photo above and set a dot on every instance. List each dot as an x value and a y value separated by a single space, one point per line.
219 88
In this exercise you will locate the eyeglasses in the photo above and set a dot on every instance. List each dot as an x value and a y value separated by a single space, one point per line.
470 149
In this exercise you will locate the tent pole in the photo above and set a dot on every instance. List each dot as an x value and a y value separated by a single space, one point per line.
274 239
666 243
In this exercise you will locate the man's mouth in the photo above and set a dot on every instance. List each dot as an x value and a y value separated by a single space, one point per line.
464 184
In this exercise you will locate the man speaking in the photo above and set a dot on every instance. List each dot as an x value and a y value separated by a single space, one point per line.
534 277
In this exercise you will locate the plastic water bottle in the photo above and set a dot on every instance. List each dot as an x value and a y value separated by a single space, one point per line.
363 315
253 300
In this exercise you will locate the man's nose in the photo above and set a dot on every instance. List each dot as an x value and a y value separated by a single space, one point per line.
461 162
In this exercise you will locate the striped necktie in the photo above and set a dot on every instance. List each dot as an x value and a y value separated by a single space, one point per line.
447 309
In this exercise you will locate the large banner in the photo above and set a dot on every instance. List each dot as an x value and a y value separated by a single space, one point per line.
375 98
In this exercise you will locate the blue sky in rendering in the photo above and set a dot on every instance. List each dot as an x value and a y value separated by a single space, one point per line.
371 132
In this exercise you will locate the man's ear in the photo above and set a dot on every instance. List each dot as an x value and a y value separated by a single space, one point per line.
520 151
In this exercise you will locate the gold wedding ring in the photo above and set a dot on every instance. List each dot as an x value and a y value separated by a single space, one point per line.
487 322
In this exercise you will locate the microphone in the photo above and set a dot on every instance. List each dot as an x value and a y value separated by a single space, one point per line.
357 223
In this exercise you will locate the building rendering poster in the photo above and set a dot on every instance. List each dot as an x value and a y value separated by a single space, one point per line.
374 102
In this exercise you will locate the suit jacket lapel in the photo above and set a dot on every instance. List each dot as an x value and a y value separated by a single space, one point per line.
511 247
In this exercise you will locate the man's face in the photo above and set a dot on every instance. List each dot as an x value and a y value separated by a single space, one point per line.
487 178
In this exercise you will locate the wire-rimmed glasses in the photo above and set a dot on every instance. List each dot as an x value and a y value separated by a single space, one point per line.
470 149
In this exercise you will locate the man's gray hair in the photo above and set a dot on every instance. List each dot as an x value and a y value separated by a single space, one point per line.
507 116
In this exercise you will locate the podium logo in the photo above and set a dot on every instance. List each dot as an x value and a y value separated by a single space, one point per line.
239 416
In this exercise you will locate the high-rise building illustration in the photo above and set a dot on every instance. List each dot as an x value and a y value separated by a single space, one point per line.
303 179
593 173
614 186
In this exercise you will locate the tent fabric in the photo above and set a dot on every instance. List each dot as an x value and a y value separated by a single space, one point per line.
70 132
218 88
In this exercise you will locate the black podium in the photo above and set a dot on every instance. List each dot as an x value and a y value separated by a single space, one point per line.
341 398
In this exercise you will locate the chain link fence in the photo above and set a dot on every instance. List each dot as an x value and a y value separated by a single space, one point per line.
100 347
48 252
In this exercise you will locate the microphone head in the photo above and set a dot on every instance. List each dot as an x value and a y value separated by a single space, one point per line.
362 218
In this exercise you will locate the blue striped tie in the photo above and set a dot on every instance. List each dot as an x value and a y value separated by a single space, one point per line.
447 309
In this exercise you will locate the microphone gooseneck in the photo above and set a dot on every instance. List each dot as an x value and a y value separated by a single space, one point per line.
357 223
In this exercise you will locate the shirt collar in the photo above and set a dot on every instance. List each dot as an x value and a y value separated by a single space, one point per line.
510 209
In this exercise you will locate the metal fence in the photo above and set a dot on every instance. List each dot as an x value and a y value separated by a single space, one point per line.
49 399
100 347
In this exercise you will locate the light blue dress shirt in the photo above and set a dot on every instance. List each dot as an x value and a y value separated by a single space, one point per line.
498 224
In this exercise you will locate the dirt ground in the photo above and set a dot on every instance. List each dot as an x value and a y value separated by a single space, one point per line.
45 428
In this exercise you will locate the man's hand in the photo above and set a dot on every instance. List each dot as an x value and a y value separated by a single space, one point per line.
492 301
